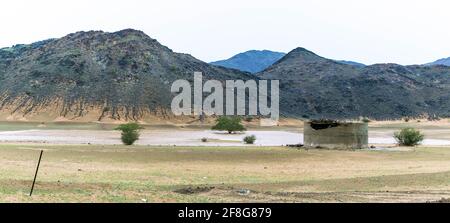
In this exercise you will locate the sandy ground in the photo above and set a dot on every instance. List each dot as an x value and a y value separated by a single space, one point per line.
150 137
91 173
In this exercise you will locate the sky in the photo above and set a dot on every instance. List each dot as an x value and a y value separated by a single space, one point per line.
367 31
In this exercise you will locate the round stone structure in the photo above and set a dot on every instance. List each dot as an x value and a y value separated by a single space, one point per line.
336 135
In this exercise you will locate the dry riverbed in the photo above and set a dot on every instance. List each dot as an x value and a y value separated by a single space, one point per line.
186 137
437 133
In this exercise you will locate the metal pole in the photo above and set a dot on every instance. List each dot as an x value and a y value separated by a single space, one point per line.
35 175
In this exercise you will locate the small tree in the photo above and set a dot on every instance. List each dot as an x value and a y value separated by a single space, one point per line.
250 139
365 120
130 132
409 137
229 124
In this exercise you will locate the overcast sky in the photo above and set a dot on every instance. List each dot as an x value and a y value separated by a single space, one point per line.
376 31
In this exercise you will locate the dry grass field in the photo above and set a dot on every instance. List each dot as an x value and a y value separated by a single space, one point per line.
93 173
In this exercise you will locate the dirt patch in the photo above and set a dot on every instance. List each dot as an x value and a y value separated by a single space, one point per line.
58 186
193 190
324 197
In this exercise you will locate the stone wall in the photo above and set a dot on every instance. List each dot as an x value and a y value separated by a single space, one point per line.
336 135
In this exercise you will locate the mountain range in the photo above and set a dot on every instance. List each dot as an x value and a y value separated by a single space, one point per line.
126 75
255 61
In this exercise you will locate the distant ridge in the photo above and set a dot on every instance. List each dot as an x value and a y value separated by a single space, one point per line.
252 61
445 62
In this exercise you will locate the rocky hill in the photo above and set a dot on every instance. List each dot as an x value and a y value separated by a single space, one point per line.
124 75
252 61
316 87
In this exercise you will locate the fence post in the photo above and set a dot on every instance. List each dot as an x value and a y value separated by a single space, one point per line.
35 175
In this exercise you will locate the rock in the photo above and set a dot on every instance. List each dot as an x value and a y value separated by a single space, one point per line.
243 192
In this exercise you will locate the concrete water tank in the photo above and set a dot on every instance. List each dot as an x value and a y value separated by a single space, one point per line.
336 135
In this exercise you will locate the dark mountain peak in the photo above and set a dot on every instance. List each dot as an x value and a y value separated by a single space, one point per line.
130 34
127 41
301 50
300 56
93 33
101 36
116 44
126 32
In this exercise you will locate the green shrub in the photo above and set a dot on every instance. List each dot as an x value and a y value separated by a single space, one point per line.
229 124
128 138
130 132
204 139
250 139
409 137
